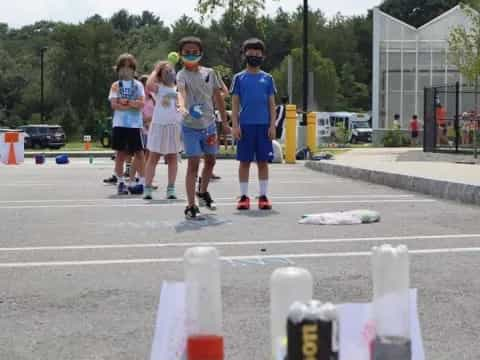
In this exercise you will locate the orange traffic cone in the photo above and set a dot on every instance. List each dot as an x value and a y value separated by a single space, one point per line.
11 138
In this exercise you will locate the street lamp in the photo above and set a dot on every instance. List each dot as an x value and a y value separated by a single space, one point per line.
305 62
42 99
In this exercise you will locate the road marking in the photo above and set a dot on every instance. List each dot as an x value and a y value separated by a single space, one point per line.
27 185
181 204
228 258
240 243
285 197
277 182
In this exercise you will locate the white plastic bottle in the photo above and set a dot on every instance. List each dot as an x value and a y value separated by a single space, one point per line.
203 304
287 285
391 305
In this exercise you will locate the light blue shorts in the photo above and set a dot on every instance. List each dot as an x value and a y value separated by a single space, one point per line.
199 142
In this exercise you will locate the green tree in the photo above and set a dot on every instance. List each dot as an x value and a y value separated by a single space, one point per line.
325 79
465 54
78 63
123 21
353 95
81 68
418 13
149 19
208 7
278 37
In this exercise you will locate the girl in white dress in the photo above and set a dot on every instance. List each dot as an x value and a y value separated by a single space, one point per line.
164 136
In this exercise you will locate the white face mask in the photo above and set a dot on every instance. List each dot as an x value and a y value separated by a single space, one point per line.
126 73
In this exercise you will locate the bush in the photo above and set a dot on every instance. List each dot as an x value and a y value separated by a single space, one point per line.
395 138
342 134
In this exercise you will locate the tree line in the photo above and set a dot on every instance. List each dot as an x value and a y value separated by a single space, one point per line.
80 57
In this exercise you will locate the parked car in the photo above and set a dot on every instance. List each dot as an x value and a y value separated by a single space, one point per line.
44 136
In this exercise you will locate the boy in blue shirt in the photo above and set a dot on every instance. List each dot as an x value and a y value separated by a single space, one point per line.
253 102
127 98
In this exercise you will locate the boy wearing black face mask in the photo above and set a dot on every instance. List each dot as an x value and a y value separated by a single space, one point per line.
253 103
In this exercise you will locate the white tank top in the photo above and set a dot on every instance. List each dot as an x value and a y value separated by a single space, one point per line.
166 111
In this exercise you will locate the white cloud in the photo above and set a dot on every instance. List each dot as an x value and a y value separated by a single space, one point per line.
22 12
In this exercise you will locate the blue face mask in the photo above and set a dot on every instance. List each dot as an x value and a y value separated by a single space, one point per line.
191 58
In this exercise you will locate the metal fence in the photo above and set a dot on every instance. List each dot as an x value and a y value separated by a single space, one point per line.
451 119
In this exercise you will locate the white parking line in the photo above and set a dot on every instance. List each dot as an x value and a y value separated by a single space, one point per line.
240 243
285 197
181 204
228 258
227 182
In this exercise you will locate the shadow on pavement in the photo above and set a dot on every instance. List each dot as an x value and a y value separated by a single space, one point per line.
257 213
203 221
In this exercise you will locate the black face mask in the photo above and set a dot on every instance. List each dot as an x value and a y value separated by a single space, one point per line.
254 61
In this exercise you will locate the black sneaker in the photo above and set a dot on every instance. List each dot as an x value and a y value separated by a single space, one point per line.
205 200
191 212
111 180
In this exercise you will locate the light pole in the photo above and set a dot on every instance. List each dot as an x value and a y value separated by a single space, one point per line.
42 98
305 62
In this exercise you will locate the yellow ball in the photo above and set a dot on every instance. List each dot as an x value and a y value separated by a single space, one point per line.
173 57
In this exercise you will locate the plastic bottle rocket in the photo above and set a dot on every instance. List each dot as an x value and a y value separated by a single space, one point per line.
203 304
391 305
195 112
287 285
312 331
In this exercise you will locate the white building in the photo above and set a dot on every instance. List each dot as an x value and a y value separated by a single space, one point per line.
408 59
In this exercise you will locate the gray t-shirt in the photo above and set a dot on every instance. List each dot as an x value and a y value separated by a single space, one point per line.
199 86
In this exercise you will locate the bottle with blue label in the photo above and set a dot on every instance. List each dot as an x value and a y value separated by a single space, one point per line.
195 114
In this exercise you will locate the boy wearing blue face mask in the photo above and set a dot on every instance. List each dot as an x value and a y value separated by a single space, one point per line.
198 89
127 97
253 101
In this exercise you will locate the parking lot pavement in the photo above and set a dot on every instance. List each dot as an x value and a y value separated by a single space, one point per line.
81 269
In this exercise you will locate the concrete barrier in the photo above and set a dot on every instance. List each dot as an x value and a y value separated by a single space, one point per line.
465 193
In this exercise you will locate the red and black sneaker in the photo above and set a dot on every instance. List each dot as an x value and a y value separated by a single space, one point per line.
264 203
243 203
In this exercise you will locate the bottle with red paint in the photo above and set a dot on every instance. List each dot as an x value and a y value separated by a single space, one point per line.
203 304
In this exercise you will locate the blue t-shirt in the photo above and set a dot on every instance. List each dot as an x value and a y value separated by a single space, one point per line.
254 91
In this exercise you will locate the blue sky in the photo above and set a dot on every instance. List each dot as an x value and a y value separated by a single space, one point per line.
22 12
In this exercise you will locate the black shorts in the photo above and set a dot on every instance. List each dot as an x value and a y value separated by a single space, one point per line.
279 132
127 140
414 134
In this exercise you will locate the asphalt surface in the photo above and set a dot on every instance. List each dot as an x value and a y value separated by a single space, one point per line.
81 270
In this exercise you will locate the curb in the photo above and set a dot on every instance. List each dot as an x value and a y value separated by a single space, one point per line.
459 192
95 154
71 154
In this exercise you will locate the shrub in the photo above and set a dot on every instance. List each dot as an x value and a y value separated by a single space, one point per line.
395 138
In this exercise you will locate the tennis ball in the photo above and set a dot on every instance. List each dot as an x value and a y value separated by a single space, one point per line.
173 57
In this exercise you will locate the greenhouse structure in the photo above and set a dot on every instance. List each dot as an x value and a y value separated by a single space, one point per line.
406 60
